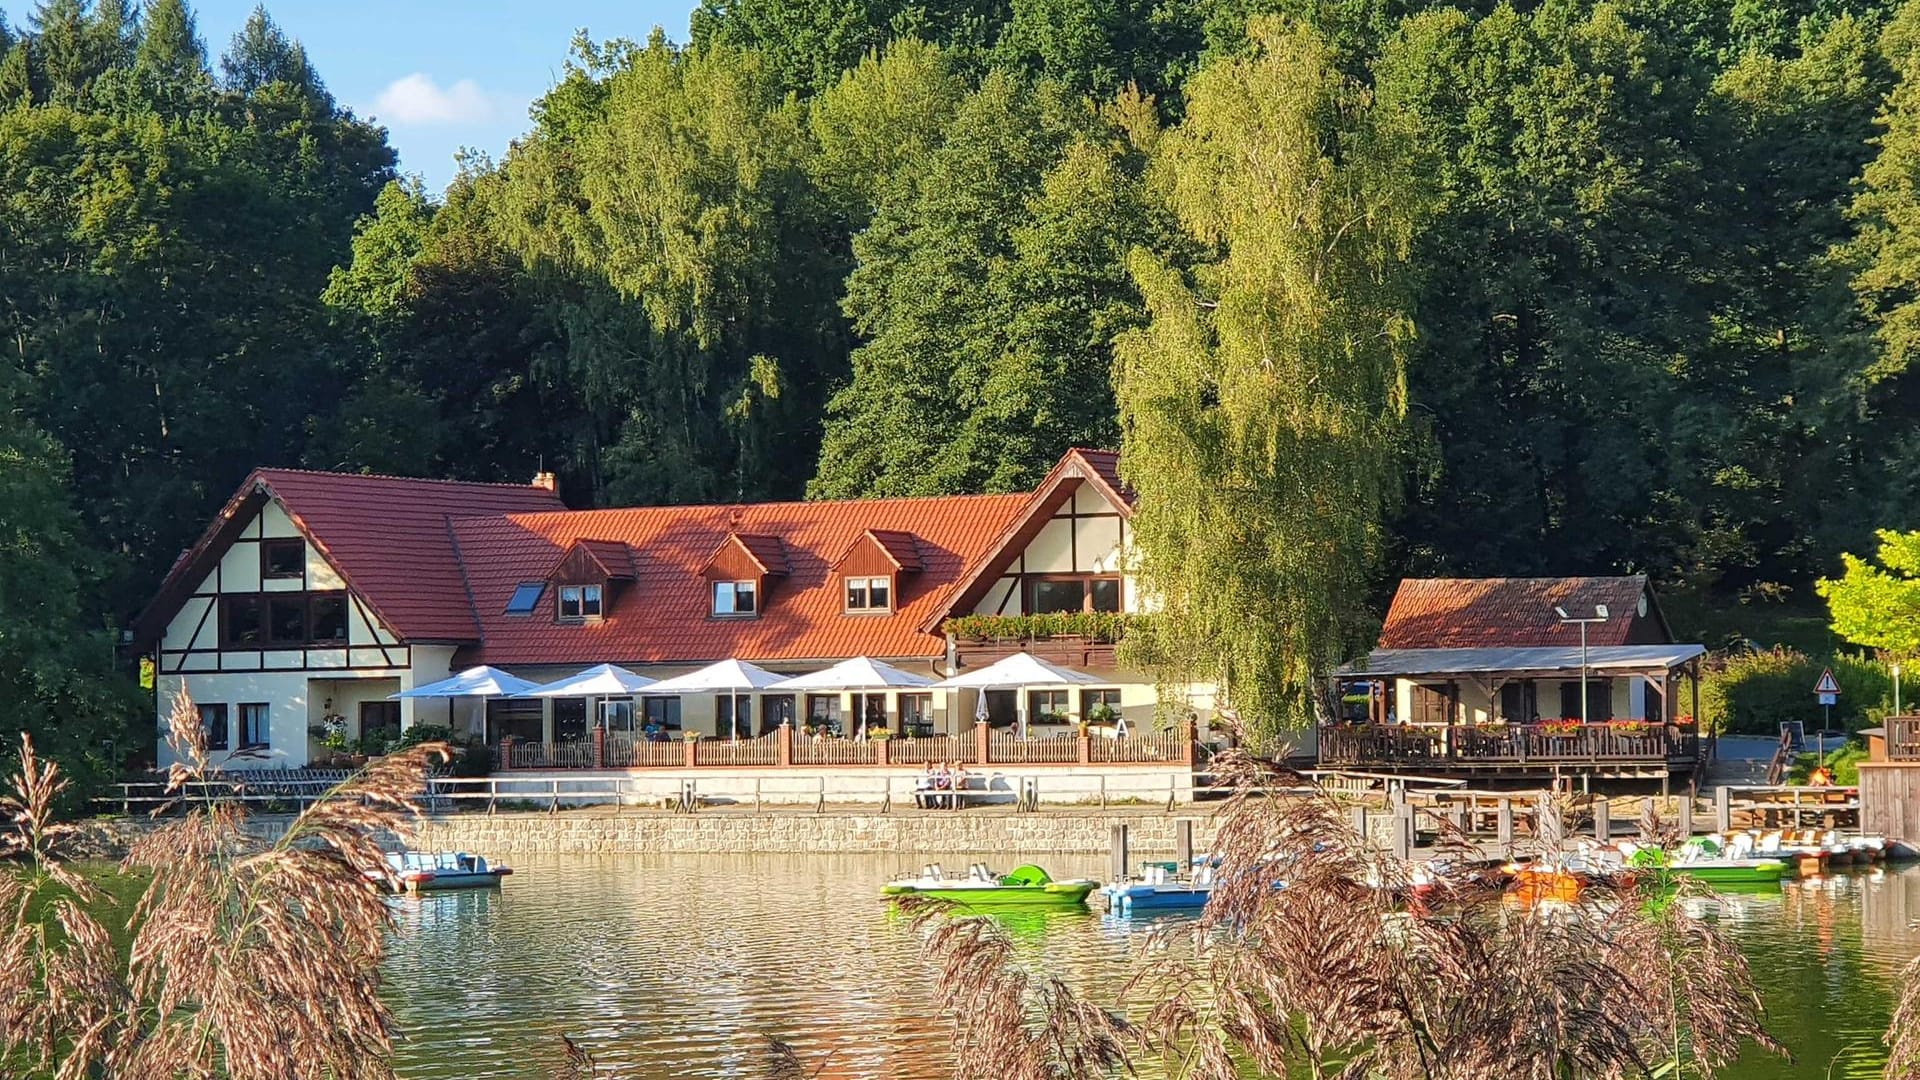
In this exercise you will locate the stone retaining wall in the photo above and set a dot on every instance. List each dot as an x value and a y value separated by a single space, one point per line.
833 832
828 833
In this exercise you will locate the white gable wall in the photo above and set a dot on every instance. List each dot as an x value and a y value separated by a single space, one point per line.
294 682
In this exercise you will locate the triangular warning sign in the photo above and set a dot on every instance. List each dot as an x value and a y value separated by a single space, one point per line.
1826 685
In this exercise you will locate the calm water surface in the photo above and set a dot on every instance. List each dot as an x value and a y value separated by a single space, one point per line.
674 966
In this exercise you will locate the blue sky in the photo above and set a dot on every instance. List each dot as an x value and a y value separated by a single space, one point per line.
441 74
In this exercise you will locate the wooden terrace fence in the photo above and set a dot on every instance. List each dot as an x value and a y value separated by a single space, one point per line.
787 748
1492 744
1903 738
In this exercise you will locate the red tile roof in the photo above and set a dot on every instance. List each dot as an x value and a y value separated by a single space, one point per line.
388 537
664 615
614 557
899 546
1448 613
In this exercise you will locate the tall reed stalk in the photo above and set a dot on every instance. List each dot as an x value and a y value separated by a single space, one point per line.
245 959
1308 961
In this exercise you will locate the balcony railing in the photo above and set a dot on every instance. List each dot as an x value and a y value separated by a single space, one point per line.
787 748
1506 744
1903 738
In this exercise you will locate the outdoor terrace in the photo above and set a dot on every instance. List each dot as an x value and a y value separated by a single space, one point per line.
786 748
1410 746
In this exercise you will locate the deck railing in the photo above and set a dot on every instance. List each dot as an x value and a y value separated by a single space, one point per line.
832 750
931 749
1500 744
1903 738
1006 747
787 748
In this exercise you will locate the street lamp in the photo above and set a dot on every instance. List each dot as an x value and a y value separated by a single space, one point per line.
1599 616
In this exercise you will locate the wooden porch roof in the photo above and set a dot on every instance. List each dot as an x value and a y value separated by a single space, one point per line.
1521 662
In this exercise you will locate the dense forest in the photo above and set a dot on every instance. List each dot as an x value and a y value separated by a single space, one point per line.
1567 286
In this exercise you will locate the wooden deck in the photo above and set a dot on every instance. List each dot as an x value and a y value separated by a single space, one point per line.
1519 749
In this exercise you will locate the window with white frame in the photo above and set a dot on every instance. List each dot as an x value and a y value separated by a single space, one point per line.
734 598
578 602
869 593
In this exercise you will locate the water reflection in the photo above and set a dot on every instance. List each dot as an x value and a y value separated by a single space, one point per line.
674 966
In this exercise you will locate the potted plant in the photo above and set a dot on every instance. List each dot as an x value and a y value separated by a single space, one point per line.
331 734
1103 714
1565 727
879 733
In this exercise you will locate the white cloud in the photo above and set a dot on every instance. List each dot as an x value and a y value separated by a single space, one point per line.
417 99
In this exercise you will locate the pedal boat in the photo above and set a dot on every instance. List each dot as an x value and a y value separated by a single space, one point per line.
1026 887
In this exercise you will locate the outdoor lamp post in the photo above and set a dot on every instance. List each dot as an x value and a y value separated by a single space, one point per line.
1599 616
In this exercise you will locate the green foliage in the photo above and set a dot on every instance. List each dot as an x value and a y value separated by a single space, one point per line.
1753 693
1263 408
56 664
989 288
1843 761
1879 606
1098 626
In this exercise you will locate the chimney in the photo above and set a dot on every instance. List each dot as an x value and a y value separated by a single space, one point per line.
546 481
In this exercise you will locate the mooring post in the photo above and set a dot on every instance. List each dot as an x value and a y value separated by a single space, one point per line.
1506 825
1686 815
1649 813
1723 810
1360 823
1117 842
1183 844
1603 820
1403 830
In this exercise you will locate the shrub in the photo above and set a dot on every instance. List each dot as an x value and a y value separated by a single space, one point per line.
1102 626
1753 693
1843 761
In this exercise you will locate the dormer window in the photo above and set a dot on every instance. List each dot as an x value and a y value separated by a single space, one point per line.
579 602
734 597
865 594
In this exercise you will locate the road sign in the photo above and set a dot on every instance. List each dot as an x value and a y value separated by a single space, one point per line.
1829 699
1826 687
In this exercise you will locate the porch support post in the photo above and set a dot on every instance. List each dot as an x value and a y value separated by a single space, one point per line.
1693 680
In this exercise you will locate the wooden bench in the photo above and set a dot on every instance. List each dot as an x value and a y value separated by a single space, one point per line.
973 789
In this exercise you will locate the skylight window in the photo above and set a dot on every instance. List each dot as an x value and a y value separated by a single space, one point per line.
526 596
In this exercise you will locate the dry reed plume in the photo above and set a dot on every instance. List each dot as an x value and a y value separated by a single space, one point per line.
1308 961
251 960
1903 1035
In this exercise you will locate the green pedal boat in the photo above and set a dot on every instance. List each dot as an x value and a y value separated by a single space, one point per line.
1026 887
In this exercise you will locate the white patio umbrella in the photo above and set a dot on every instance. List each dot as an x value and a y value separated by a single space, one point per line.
596 684
859 673
730 677
1017 672
475 682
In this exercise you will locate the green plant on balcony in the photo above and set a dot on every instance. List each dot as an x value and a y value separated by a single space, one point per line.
1103 714
1104 627
1563 727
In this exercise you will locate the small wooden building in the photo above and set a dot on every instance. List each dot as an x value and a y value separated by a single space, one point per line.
1481 677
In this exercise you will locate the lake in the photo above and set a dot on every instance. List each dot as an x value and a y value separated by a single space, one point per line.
676 966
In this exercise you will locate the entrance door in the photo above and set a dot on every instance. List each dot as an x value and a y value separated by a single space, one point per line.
873 710
1003 707
616 715
775 709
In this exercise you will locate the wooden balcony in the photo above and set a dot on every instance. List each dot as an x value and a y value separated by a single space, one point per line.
1508 747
